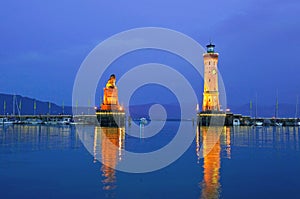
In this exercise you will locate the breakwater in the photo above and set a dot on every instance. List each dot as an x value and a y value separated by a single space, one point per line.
230 119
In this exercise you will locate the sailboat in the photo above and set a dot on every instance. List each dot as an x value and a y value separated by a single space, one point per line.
257 123
297 122
5 121
276 112
18 105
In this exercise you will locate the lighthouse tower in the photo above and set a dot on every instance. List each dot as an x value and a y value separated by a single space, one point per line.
211 92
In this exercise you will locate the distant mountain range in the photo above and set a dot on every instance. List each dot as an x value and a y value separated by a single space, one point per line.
25 106
143 110
29 106
284 111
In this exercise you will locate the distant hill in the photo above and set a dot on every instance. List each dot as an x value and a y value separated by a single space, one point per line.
26 106
136 111
139 111
284 110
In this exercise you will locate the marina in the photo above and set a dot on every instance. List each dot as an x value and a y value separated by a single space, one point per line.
37 119
229 118
149 99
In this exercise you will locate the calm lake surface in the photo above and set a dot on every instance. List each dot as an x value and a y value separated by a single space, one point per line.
56 162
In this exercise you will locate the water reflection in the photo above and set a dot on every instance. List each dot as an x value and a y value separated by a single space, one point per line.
212 142
266 137
21 138
216 147
235 146
108 145
210 184
228 142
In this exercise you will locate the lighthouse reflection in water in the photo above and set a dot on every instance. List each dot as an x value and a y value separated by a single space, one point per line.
107 146
211 138
108 143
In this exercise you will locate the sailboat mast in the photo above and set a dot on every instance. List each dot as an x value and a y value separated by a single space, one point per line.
276 105
297 101
250 108
19 105
255 106
14 105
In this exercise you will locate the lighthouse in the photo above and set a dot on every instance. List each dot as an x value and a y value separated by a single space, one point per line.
211 113
211 91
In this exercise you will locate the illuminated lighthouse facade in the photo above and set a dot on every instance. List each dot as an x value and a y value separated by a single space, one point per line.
211 90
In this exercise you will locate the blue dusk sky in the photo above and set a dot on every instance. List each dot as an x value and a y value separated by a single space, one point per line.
43 42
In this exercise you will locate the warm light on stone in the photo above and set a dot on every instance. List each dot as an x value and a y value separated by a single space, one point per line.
211 90
110 95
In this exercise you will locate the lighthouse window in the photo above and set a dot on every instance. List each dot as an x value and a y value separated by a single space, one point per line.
208 80
209 63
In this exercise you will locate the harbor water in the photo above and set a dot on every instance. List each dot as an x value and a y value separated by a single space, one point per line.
40 161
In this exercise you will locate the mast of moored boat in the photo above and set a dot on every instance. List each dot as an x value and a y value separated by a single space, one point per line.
250 108
255 107
18 106
296 113
4 107
14 105
276 105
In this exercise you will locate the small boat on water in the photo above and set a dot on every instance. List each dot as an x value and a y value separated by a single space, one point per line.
64 121
5 121
51 122
236 122
56 121
33 121
143 121
258 123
